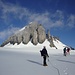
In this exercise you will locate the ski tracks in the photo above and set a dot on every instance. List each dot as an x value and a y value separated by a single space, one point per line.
54 65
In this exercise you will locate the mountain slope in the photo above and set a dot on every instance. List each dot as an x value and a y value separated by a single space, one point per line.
58 44
33 35
33 32
46 43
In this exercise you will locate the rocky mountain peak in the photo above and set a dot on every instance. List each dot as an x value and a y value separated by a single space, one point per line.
33 32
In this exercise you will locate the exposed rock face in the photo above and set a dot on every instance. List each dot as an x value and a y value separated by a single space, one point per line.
33 32
50 39
41 34
26 36
48 36
34 38
51 42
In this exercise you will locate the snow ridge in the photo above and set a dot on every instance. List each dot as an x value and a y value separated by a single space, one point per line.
46 43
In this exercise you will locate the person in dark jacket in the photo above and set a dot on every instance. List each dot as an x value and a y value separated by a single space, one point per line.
45 55
64 50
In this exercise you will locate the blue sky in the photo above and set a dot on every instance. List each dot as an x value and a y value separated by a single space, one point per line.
56 15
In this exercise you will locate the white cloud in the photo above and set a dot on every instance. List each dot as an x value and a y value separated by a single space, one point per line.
7 32
71 21
17 11
41 18
48 19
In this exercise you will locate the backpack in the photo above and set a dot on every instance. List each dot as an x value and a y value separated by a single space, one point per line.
41 53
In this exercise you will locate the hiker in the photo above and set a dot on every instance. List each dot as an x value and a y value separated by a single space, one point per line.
68 51
64 51
45 55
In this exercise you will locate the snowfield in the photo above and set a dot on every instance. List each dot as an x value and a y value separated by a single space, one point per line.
28 61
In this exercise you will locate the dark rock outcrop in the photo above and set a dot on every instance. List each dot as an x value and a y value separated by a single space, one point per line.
50 39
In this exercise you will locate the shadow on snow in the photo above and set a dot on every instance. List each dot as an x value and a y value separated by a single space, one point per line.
34 62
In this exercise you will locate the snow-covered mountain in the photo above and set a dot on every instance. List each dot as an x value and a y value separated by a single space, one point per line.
59 45
33 35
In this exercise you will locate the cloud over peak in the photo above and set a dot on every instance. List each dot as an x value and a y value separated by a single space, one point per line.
13 13
55 19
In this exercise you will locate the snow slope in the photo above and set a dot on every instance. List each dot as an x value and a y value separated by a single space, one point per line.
57 43
28 61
